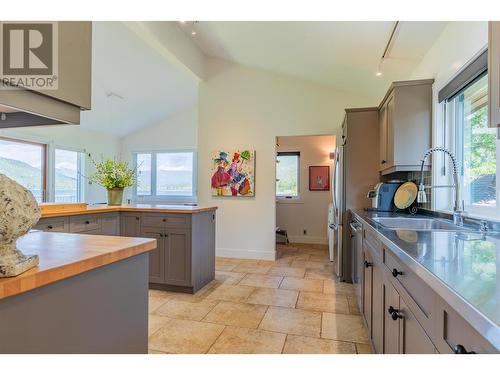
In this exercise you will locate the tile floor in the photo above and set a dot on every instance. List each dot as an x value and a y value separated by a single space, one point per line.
291 305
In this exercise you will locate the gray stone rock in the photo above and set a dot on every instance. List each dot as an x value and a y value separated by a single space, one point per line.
19 211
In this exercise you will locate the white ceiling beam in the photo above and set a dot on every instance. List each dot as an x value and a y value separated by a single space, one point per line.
173 44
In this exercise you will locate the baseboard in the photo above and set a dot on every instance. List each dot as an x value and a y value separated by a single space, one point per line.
308 239
245 253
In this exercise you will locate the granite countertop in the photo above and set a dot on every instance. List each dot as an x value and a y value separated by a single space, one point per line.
63 255
161 208
463 268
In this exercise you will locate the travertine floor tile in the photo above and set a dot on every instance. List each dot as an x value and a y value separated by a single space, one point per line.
294 321
287 271
186 310
251 268
236 314
323 302
344 327
158 293
322 257
228 292
228 260
185 336
151 351
364 349
236 340
155 322
320 274
353 305
307 285
155 302
308 264
310 345
273 297
261 281
227 277
225 266
334 287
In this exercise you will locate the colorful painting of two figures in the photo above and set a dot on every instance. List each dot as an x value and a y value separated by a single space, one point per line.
233 173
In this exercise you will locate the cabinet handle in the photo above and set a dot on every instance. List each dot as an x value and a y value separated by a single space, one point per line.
137 218
368 264
460 349
50 227
395 272
161 235
164 220
395 314
384 161
87 222
166 235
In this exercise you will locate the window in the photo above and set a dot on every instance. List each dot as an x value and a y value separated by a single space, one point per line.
68 176
165 176
26 163
287 175
476 147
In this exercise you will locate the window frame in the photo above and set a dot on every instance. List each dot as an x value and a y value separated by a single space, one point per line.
81 161
45 161
286 198
451 137
153 197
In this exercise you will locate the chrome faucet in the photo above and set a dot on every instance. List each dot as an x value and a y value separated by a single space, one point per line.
458 208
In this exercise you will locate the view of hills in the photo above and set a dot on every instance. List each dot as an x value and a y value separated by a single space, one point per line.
29 176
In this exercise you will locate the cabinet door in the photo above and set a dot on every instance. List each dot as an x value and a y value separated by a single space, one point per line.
377 309
413 339
382 118
178 257
390 133
391 326
157 256
110 225
130 225
367 289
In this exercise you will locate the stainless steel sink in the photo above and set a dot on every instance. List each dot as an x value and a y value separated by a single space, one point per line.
419 224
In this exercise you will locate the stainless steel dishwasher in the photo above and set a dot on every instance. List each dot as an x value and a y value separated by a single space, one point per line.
357 257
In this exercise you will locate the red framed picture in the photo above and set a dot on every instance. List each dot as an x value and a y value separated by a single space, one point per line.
319 178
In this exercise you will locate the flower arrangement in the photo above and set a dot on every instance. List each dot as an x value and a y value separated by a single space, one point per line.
113 174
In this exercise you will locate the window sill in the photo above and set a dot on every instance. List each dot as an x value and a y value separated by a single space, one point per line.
289 201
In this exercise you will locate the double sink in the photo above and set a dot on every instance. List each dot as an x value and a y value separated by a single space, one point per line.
420 224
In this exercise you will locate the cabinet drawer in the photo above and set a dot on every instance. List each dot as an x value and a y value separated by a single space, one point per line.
59 224
166 221
371 239
452 330
79 224
421 297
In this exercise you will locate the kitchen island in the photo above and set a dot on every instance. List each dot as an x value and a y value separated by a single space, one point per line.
184 260
89 294
425 291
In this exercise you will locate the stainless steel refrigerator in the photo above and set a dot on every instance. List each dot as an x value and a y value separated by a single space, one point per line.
355 172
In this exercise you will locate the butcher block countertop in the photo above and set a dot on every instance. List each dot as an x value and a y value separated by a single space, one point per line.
63 255
160 208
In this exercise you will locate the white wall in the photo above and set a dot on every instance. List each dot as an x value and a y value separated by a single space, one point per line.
99 145
310 211
177 132
458 44
241 107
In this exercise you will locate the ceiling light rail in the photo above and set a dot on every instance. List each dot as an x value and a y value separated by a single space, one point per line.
386 49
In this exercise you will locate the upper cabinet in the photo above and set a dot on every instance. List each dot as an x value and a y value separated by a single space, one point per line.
494 73
405 120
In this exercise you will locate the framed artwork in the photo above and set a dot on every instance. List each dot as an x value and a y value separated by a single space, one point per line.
319 178
233 173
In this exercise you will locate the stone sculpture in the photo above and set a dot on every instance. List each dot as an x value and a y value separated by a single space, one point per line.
19 211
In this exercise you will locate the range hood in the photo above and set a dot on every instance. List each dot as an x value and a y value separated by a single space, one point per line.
19 108
72 70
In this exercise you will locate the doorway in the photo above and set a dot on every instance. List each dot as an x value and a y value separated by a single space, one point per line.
303 195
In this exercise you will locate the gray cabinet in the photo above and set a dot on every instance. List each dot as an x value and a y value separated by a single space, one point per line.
130 224
177 257
74 64
110 224
367 289
157 256
405 118
391 326
54 224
